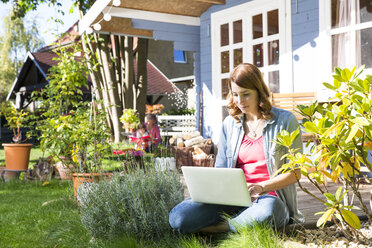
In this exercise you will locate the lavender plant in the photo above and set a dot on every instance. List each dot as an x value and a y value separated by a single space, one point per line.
136 203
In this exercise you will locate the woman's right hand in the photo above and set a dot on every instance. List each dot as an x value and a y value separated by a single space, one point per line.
255 190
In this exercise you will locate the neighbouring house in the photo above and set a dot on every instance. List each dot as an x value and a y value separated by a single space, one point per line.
295 43
173 81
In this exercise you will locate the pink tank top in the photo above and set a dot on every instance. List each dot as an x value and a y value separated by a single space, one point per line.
251 159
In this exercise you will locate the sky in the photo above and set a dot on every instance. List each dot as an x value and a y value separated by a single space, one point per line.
43 14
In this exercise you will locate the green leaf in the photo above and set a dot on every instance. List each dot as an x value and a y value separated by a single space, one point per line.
336 83
294 135
353 131
331 129
327 142
352 71
351 218
338 71
359 71
325 217
311 127
362 121
330 197
329 86
368 131
346 75
338 193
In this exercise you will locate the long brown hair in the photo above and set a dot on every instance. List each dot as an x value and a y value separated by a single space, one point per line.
248 76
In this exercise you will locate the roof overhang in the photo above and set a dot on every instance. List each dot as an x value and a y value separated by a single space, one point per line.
185 12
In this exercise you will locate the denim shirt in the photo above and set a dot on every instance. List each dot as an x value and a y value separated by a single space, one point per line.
231 137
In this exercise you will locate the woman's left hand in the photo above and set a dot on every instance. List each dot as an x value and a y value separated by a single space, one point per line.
255 190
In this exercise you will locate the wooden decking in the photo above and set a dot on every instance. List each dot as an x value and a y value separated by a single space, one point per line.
309 206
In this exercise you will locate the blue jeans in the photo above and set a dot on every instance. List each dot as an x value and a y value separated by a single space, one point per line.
189 216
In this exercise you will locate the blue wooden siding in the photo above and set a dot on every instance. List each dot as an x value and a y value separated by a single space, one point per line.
185 37
305 22
305 31
305 28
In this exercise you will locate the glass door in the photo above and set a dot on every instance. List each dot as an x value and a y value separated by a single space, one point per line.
253 33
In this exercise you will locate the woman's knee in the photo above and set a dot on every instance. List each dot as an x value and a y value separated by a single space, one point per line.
268 210
179 218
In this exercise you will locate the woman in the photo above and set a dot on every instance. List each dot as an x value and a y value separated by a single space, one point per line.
246 142
153 130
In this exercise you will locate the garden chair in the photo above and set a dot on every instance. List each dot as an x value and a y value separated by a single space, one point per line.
289 101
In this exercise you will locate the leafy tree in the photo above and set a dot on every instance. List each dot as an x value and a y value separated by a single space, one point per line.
112 70
18 39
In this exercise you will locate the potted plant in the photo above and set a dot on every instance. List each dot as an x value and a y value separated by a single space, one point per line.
72 130
130 119
17 155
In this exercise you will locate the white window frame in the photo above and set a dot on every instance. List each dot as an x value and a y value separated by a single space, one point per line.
285 42
325 36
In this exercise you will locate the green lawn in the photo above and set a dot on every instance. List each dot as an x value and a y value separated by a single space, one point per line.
38 215
25 222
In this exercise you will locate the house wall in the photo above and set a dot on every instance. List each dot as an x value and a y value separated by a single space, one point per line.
161 54
305 32
305 53
305 46
185 38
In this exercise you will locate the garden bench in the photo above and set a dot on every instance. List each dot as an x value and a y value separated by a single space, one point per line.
176 124
289 101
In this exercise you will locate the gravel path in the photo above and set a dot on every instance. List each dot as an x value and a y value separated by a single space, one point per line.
329 237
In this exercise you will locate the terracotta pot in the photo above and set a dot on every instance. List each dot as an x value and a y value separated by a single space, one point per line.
17 156
64 170
80 178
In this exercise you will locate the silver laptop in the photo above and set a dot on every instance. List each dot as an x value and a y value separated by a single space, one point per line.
226 186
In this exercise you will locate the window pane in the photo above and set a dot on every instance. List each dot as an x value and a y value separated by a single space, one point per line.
274 81
238 56
237 26
224 88
224 34
258 55
179 56
273 50
225 63
365 11
340 51
257 26
364 50
340 13
272 22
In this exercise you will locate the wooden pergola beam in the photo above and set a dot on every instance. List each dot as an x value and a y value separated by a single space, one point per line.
123 26
212 1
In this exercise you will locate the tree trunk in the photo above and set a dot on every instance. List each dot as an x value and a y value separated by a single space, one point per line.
128 89
109 72
141 59
102 85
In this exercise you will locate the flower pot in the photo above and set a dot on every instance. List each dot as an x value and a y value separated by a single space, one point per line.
17 156
80 178
64 170
163 164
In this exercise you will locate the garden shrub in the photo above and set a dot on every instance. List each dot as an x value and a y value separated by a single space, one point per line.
136 203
